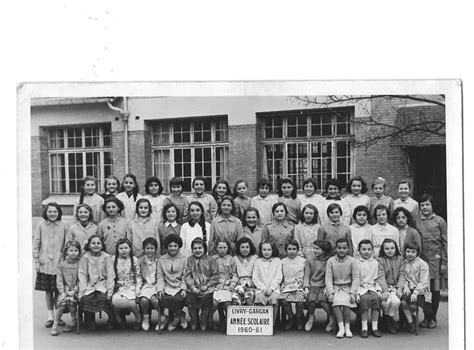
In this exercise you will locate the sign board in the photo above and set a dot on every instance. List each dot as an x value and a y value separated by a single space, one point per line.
249 320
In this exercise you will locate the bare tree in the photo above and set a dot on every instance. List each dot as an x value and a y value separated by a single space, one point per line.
406 126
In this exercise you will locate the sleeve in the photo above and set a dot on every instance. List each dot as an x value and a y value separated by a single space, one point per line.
214 274
297 237
265 233
424 278
138 274
109 261
381 276
233 270
401 276
59 279
256 277
328 278
355 275
158 240
183 276
307 272
37 243
83 275
348 236
444 243
160 277
128 230
212 207
415 236
276 281
239 229
189 274
211 236
322 234
100 229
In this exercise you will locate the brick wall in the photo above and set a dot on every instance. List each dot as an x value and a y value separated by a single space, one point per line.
136 159
39 172
118 155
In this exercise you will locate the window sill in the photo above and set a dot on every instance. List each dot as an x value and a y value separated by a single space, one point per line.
61 199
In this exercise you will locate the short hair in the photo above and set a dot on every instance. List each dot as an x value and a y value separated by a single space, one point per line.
70 244
412 245
404 182
290 181
228 191
425 198
360 208
405 211
342 240
226 198
293 242
114 199
332 182
379 180
88 208
244 217
226 241
314 209
388 241
199 178
365 241
173 238
176 181
244 240
58 208
333 206
278 204
312 181
143 200
324 245
87 247
149 181
165 209
264 182
199 240
150 240
135 189
235 194
275 252
111 177
381 207
356 178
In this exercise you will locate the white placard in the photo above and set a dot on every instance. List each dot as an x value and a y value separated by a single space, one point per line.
249 320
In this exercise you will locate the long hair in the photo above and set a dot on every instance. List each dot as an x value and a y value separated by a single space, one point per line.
287 180
228 192
236 194
82 184
132 265
111 177
361 180
135 189
226 198
88 208
140 201
58 208
399 210
382 246
202 220
149 181
275 252
315 211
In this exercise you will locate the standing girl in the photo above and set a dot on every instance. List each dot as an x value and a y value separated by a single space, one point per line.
263 202
154 189
434 251
310 196
111 186
292 285
267 277
169 224
369 292
220 189
382 229
148 298
84 228
48 243
128 283
114 226
245 260
143 226
342 283
202 276
241 199
333 189
392 281
280 231
404 200
403 221
208 202
335 230
356 189
378 187
129 195
315 282
306 232
91 198
360 227
252 228
227 281
68 286
225 225
178 198
196 226
96 282
171 285
287 195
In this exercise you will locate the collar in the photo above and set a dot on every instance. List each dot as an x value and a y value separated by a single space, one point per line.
111 193
382 227
268 260
341 260
332 223
172 224
72 261
337 198
195 195
138 219
428 217
220 218
56 223
283 223
359 226
356 195
366 260
404 201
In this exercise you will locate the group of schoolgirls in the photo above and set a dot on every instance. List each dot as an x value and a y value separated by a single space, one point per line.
127 253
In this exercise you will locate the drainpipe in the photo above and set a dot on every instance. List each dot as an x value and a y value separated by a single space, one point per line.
124 113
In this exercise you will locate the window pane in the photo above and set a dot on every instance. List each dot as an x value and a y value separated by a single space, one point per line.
107 134
221 130
274 162
74 137
162 167
58 173
56 138
274 128
297 163
296 126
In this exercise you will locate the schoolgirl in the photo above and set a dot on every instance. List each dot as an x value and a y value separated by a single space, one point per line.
241 199
382 229
178 198
143 226
252 228
333 188
196 226
404 200
334 230
378 188
154 189
403 221
310 196
114 226
207 201
111 186
84 227
245 258
280 231
356 189
306 232
129 195
287 195
169 224
360 227
220 189
91 198
264 201
148 297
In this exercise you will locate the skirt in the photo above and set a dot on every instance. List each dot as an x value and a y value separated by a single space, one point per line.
369 300
195 301
243 293
95 302
342 297
316 294
296 296
148 291
67 301
172 302
45 282
260 298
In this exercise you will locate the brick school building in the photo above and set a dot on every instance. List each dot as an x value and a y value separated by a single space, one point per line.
236 138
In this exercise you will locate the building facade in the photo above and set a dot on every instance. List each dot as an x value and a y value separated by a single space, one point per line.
236 138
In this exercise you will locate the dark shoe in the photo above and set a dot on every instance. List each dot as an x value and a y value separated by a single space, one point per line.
92 326
364 333
411 327
390 325
289 325
376 333
137 326
61 323
109 326
424 323
432 324
49 323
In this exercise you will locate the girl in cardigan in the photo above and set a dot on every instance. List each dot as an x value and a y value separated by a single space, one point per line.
267 277
68 286
84 228
356 189
382 229
207 201
48 243
202 277
342 283
90 197
171 282
287 194
306 232
143 226
114 226
252 227
292 285
148 298
392 281
360 228
169 224
314 283
403 220
280 231
129 194
128 283
245 258
178 198
334 230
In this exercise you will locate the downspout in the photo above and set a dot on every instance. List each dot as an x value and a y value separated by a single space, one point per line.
124 113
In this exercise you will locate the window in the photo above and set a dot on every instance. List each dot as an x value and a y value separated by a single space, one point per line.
307 143
75 152
190 148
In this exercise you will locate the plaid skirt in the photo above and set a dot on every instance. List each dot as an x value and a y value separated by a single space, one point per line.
369 300
295 296
95 302
45 282
67 301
